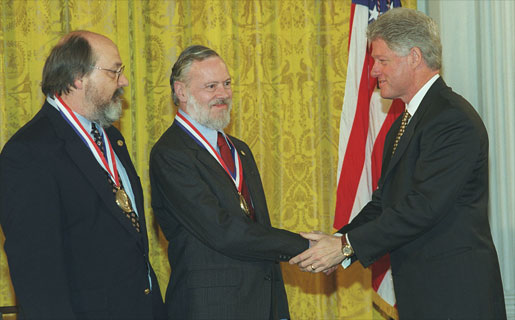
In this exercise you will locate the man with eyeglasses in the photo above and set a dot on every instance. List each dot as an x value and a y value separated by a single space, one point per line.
71 202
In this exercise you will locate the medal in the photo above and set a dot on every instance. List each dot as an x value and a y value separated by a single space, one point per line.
193 132
123 201
237 176
107 161
243 205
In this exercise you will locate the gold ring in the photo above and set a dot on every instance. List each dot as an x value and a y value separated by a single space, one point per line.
313 267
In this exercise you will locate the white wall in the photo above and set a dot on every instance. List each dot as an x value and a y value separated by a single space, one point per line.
478 39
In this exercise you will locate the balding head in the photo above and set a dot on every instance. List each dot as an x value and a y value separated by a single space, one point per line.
70 59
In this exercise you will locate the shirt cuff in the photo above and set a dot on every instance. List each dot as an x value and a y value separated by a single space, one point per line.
347 261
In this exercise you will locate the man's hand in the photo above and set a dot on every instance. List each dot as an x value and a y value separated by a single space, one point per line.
330 270
326 253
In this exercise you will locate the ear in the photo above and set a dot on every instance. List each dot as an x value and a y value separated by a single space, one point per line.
415 57
78 83
180 91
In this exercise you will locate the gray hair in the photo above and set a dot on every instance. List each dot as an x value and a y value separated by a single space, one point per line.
403 29
182 65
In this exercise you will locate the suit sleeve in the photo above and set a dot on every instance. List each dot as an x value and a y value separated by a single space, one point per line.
31 219
373 208
370 211
449 151
187 197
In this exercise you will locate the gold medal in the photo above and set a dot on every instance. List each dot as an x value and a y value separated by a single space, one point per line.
243 205
123 201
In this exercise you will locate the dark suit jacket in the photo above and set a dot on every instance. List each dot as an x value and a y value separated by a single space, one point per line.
224 265
430 212
72 253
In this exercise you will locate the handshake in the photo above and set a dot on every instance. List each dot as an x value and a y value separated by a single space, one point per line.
324 254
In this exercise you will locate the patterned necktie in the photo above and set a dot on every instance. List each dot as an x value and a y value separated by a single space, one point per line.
404 122
226 154
100 143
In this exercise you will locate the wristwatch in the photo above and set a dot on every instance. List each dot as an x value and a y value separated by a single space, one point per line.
346 248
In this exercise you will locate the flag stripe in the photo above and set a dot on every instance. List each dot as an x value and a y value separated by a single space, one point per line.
364 123
352 163
351 22
354 159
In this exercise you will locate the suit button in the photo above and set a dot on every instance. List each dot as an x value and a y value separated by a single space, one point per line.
267 277
147 291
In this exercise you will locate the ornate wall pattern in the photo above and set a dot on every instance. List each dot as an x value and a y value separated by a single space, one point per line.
288 62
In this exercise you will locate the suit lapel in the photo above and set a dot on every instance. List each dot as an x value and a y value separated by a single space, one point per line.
207 159
203 155
93 173
388 144
120 149
255 190
412 125
403 143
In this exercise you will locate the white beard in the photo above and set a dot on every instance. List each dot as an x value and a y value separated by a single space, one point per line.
202 114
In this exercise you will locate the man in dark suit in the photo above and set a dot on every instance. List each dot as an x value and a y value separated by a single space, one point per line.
208 198
71 203
430 210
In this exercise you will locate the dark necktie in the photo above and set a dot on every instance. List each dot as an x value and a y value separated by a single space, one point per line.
404 122
226 154
100 143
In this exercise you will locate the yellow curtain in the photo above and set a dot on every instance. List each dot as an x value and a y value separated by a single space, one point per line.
288 60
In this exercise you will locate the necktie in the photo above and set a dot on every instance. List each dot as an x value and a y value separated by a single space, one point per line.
404 122
226 154
100 143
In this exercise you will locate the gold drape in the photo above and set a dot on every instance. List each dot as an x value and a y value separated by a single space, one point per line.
288 60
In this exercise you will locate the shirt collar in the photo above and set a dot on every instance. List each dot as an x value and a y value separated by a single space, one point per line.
413 105
211 135
83 121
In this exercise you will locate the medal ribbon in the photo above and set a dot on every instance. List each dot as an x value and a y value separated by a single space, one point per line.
69 116
187 126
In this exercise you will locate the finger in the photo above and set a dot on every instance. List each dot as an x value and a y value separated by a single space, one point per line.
296 259
308 261
330 270
300 257
311 236
315 269
306 264
309 268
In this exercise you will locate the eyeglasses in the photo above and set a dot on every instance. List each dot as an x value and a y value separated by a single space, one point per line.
117 72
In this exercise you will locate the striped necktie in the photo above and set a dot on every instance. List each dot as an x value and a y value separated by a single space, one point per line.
100 143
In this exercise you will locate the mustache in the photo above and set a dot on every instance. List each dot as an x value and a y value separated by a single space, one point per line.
117 93
226 101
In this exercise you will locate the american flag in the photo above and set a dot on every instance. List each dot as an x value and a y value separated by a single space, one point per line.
364 122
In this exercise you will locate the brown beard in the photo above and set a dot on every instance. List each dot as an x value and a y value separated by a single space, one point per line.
105 112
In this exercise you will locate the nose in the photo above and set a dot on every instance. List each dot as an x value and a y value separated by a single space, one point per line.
223 92
376 69
123 81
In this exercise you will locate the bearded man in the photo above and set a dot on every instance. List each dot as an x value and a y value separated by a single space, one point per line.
71 204
208 198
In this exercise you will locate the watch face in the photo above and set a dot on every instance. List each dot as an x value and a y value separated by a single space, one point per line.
347 251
